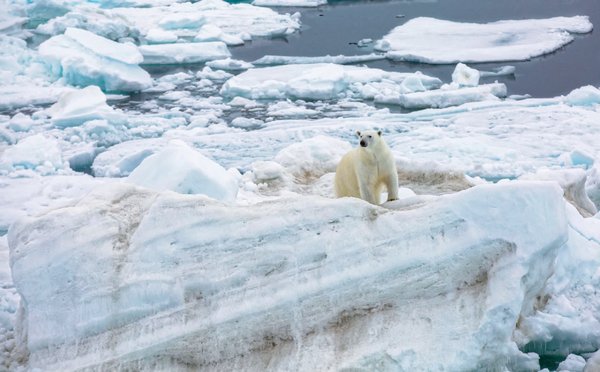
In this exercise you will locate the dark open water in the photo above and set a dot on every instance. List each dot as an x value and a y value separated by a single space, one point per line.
333 29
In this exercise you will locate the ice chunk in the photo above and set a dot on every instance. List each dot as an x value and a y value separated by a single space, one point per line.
182 20
295 3
229 64
270 60
502 71
214 33
160 36
120 160
464 75
20 123
573 363
123 52
584 96
247 123
314 81
440 98
183 52
38 152
83 60
75 108
431 40
182 169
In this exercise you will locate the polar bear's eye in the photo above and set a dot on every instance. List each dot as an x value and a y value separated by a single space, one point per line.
370 136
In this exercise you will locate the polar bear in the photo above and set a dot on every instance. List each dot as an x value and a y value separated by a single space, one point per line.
364 171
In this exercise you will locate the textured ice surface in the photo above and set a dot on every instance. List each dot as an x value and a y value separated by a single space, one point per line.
162 268
296 3
243 21
182 169
183 52
433 40
76 107
316 81
38 152
339 59
82 61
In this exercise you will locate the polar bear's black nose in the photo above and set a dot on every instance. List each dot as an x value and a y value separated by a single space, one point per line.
363 143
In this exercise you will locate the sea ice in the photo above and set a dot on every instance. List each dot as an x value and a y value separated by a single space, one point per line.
102 22
76 107
445 97
214 33
270 60
160 36
182 169
229 64
294 3
313 157
584 96
243 21
315 81
431 40
162 275
159 54
464 75
82 59
38 152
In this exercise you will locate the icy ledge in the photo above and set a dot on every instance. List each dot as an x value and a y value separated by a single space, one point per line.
129 278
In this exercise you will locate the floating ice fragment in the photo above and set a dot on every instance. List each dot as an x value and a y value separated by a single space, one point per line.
440 98
160 54
315 81
182 169
229 64
431 40
76 107
20 123
87 59
465 76
160 36
294 3
501 71
584 96
270 60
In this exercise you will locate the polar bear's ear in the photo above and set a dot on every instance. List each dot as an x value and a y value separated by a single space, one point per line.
379 132
358 133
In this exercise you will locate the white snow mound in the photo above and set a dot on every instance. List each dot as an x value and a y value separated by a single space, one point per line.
182 169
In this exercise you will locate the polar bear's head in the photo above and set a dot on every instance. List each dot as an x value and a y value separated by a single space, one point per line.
369 138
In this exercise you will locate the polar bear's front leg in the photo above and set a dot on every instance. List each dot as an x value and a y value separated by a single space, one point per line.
367 192
392 186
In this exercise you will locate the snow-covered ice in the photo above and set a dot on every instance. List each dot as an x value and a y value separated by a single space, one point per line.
182 169
469 259
81 60
157 54
316 81
205 234
295 3
432 40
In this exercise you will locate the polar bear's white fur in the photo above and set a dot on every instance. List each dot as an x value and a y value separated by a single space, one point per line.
364 171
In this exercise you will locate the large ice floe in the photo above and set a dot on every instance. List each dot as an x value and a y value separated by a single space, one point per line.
433 40
292 280
322 81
